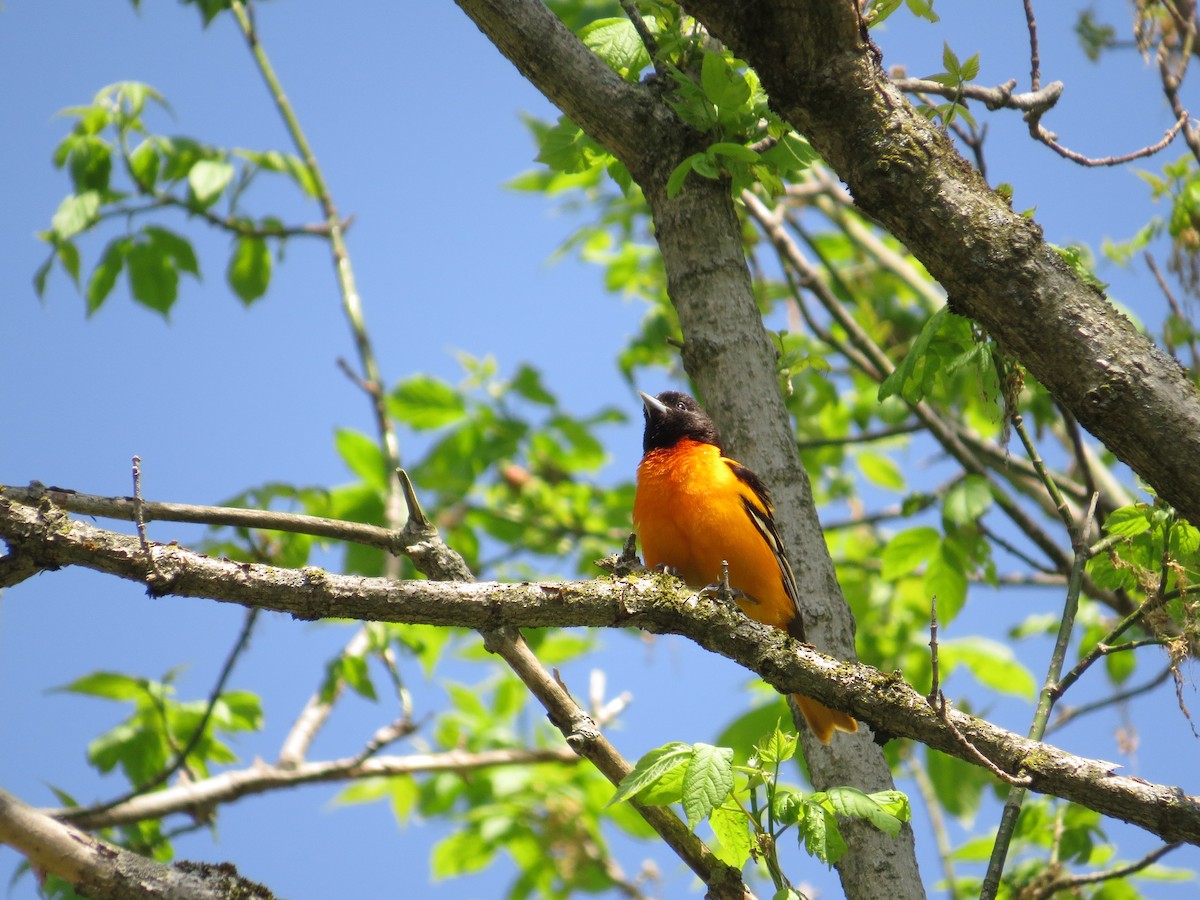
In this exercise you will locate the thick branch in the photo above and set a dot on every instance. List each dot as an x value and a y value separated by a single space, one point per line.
824 75
101 870
656 604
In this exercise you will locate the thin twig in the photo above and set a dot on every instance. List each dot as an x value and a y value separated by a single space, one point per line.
645 35
865 437
1040 134
153 574
351 300
1041 716
1071 713
999 97
1068 883
1175 308
126 509
1035 63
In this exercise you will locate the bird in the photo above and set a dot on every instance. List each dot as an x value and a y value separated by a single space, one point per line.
696 509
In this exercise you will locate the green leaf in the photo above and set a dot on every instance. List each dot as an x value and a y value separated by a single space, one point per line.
354 670
736 152
460 854
1130 520
906 551
731 825
144 163
650 768
528 383
818 833
207 179
76 213
680 173
946 579
666 790
68 255
967 501
958 785
908 379
993 664
104 275
153 280
425 402
881 470
616 41
886 811
110 685
249 270
724 86
777 747
177 249
244 710
707 781
364 458
42 273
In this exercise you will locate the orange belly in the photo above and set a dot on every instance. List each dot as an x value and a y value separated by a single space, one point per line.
689 514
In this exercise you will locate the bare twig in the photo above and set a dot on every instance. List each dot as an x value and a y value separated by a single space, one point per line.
1035 63
1040 134
123 508
1067 714
1037 730
1069 883
1175 308
999 97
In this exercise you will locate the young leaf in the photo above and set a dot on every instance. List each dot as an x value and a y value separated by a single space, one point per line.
707 781
777 747
104 275
650 768
110 685
881 470
76 213
967 501
616 41
908 379
848 801
424 402
818 833
207 178
906 551
992 663
731 825
249 270
153 280
364 458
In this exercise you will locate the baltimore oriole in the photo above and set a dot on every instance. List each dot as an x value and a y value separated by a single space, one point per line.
695 508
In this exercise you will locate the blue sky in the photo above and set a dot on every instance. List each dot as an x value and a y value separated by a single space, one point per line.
414 117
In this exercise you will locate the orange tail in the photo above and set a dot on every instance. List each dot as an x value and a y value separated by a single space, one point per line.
822 720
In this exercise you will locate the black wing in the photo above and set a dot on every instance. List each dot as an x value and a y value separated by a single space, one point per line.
762 514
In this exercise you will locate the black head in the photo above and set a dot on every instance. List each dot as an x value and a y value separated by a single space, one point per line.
673 416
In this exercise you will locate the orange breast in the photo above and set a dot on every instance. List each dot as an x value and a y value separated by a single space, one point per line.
689 514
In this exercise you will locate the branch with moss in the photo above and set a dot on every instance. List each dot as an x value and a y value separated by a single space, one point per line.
104 871
657 604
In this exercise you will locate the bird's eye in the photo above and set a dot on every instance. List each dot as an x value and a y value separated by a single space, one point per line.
681 406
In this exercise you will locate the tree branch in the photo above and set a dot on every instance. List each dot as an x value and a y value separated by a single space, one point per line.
656 604
825 77
101 870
